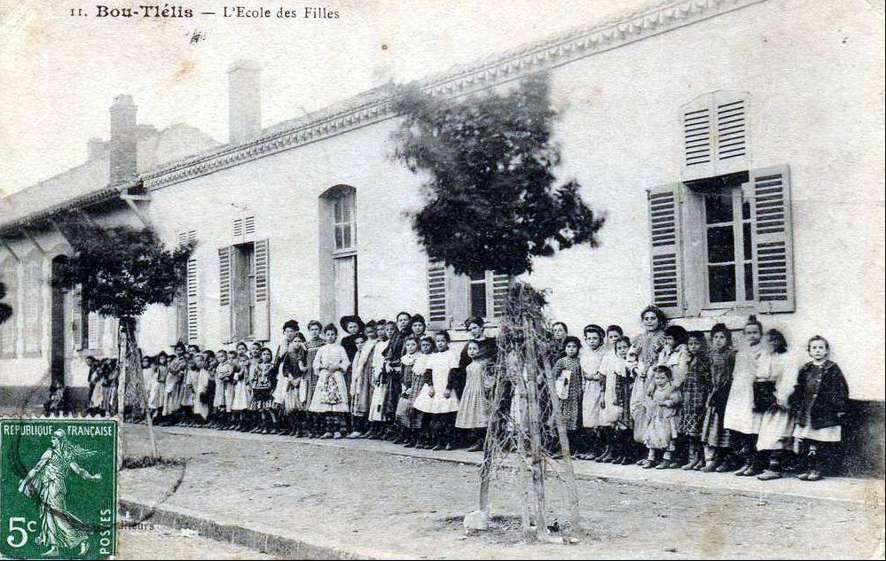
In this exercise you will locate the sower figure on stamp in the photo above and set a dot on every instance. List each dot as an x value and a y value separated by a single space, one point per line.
46 483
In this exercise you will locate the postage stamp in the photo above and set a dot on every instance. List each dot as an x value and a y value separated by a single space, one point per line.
58 494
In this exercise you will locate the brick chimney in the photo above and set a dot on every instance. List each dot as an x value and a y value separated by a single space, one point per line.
123 143
244 101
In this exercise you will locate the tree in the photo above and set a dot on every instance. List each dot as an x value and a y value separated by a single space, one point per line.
121 271
491 196
492 202
5 309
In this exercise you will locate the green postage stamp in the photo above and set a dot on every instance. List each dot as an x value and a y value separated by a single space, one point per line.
58 491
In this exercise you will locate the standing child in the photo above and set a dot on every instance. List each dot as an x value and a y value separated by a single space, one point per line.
412 373
615 400
330 399
664 399
819 404
739 416
437 398
568 379
379 375
110 384
158 397
175 379
201 377
149 378
473 409
696 388
242 392
96 379
262 383
224 389
714 436
624 427
591 358
315 341
773 387
647 345
188 384
361 379
294 366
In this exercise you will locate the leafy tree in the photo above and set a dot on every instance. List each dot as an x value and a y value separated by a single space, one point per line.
121 271
492 199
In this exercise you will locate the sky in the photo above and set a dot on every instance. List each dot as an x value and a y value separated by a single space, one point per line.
59 71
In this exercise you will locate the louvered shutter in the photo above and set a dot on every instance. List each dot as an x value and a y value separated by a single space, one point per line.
262 291
773 245
192 306
698 139
225 262
666 246
732 141
249 226
77 320
94 331
238 227
500 286
437 317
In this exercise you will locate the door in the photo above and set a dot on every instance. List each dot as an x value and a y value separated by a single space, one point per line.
57 329
345 279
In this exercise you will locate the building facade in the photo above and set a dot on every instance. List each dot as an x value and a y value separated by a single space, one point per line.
736 163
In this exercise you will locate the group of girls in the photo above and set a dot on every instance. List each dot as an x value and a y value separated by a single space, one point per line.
697 403
665 399
103 383
383 379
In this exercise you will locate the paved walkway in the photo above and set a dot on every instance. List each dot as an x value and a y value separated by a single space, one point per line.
312 499
862 491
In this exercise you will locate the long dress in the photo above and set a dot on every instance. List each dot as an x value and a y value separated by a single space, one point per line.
647 346
361 379
157 395
149 378
613 368
662 429
695 391
592 391
175 380
777 423
331 393
311 375
413 367
200 380
568 376
96 398
473 409
47 484
242 391
739 413
224 386
293 400
440 364
713 433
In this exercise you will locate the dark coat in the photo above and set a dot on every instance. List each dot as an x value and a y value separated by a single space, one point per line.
822 407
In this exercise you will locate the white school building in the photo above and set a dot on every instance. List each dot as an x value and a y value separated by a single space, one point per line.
736 148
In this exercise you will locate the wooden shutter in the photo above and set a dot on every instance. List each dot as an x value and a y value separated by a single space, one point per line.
225 262
78 319
773 244
94 331
437 317
249 226
500 286
715 135
731 127
262 293
192 306
666 239
238 227
698 137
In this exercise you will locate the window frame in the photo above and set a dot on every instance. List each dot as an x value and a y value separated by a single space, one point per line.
740 260
345 199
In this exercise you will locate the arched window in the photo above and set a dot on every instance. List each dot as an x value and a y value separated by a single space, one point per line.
338 251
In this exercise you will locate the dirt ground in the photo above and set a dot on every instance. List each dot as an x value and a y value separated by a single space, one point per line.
159 542
380 505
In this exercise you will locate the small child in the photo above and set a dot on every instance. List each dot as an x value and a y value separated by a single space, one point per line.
200 378
773 387
262 383
591 358
663 403
330 399
188 383
313 345
224 389
242 391
473 410
567 384
96 379
617 399
110 383
715 437
149 378
819 404
437 398
175 381
158 397
294 367
412 374
361 388
696 388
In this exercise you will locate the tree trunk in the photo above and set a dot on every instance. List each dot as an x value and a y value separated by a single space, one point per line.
535 444
493 432
131 376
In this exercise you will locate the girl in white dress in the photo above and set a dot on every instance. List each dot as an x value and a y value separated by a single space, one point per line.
330 399
739 416
242 391
591 359
777 423
437 398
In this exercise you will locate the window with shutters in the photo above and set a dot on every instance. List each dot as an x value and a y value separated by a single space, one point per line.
454 298
187 301
244 296
723 243
9 276
715 135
